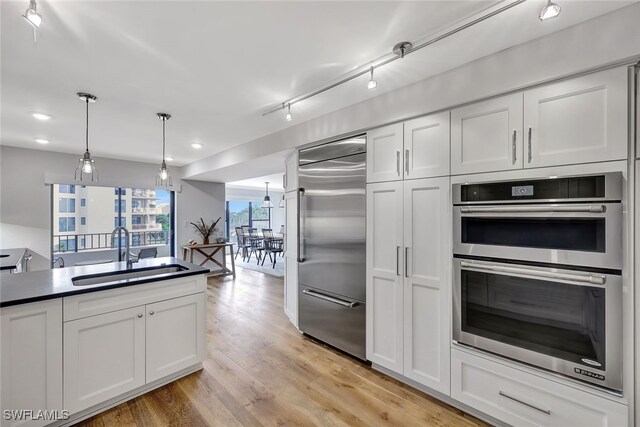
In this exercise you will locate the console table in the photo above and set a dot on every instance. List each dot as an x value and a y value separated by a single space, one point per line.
209 251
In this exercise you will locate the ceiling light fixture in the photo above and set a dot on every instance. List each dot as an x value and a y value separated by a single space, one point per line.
32 16
372 83
289 117
42 141
87 164
267 203
399 51
42 116
551 10
163 178
281 205
196 145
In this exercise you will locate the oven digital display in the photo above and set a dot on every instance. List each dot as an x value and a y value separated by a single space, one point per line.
522 190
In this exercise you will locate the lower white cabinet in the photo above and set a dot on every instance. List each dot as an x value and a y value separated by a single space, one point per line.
408 279
291 257
174 335
523 399
104 357
31 359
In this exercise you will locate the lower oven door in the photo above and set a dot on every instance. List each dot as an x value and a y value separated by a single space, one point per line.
587 235
566 321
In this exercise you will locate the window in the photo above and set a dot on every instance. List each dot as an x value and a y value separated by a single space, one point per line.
260 217
66 224
246 213
66 205
83 220
71 189
120 205
119 222
120 191
83 202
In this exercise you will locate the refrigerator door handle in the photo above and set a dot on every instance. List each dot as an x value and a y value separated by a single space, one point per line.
299 194
329 298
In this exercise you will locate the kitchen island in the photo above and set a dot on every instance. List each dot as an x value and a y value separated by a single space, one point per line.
78 340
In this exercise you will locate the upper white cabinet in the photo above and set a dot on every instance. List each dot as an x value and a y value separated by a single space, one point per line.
31 354
175 335
291 172
408 289
384 154
385 268
426 146
291 257
487 136
580 120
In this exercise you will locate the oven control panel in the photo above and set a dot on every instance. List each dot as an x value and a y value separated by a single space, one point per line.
522 190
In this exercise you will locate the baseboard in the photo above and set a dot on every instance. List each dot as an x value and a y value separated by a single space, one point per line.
97 409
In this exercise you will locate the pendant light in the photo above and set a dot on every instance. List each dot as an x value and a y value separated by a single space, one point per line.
281 205
551 10
163 178
289 117
267 203
372 82
87 165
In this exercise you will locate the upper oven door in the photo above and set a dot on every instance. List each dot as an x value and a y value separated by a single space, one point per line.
583 234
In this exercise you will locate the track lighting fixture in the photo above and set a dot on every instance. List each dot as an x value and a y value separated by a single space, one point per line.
551 10
163 178
32 16
87 164
372 83
289 117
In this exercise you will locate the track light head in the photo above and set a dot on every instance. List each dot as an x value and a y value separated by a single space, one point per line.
32 16
372 84
289 117
551 10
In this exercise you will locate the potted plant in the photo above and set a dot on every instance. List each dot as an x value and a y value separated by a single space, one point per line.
205 229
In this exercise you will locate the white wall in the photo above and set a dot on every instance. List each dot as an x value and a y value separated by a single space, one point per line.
252 194
25 200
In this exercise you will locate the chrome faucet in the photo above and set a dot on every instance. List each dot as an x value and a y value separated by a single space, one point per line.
127 256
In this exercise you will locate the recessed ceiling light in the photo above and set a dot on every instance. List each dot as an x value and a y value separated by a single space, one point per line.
169 159
42 141
42 116
196 145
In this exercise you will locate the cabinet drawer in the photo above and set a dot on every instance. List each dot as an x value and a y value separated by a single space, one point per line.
523 399
91 304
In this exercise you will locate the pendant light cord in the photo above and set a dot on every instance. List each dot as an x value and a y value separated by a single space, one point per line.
163 122
87 127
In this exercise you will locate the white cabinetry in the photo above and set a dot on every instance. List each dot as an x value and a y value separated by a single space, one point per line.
104 357
384 153
31 355
580 120
291 172
522 399
408 290
426 146
487 136
291 257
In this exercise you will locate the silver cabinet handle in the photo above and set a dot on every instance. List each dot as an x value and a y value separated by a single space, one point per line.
284 181
299 195
529 405
398 261
139 315
398 162
151 313
542 208
329 298
538 274
406 161
406 261
529 144
513 147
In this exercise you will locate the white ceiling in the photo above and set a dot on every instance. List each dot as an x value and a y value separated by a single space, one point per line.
275 182
215 66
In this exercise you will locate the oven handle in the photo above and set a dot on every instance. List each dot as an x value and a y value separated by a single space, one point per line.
543 208
587 278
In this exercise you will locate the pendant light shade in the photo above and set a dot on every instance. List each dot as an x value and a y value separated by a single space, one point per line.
163 179
281 205
267 203
86 165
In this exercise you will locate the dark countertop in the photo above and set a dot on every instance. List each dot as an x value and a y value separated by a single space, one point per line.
13 259
49 284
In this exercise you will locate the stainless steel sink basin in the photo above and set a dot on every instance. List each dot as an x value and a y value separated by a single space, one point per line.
129 275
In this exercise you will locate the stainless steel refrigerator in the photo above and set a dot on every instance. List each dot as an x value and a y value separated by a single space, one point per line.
331 264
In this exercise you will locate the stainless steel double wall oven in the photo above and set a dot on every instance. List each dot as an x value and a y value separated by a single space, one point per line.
538 273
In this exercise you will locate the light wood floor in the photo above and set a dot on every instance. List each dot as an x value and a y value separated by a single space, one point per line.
261 371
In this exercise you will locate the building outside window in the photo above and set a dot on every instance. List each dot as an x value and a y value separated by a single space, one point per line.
66 224
69 189
120 205
83 220
66 205
83 202
119 222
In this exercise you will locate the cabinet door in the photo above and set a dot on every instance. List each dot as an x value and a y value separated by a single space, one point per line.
291 258
291 172
427 236
31 358
384 154
580 120
176 335
426 146
104 357
384 275
487 136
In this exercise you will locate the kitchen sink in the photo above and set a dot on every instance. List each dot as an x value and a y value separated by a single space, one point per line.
128 275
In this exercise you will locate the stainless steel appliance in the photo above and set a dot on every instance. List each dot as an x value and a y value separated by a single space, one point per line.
331 247
538 273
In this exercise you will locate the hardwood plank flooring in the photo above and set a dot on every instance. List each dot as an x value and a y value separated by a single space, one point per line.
260 371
